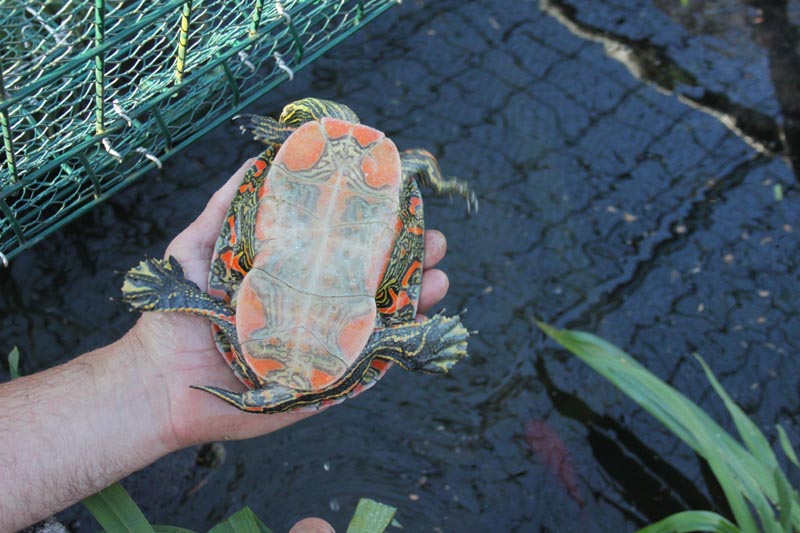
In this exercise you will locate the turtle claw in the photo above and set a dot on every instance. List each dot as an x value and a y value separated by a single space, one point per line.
448 338
160 285
433 346
264 129
150 283
472 203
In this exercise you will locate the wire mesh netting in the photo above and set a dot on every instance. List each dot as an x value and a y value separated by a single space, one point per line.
94 95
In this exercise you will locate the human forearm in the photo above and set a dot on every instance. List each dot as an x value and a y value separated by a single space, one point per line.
70 431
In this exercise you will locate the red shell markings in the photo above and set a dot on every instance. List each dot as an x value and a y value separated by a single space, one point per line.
325 233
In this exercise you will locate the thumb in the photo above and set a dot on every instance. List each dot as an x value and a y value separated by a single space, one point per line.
312 525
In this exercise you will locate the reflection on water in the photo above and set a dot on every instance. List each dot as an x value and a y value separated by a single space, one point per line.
768 25
648 208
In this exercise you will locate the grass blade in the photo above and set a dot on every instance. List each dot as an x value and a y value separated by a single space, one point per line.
787 446
371 517
756 442
688 521
784 499
743 476
242 521
753 438
727 480
114 509
13 362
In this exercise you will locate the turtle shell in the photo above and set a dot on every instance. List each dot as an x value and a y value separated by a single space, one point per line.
325 226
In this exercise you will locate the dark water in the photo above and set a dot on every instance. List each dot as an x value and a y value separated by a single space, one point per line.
634 163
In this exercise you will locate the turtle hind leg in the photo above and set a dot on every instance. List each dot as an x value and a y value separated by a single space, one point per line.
420 164
161 285
433 345
157 285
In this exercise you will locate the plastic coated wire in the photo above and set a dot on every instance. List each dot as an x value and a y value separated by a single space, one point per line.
92 95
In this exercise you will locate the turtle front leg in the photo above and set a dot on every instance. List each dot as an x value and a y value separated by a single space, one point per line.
420 164
266 129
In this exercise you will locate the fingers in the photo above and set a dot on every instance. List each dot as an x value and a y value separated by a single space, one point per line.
435 248
206 227
312 525
434 287
434 282
194 245
210 220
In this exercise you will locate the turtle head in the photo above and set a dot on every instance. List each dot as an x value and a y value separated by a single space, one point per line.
308 109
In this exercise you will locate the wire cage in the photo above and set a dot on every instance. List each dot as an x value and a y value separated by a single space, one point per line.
92 95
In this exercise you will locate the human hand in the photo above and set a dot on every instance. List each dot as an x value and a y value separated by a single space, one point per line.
175 350
312 525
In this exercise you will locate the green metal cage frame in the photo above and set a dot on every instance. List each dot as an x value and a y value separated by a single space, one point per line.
93 96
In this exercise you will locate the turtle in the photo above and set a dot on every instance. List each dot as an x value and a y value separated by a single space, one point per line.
315 276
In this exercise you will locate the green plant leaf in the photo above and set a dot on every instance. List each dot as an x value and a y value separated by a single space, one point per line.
743 476
371 517
787 446
171 529
727 480
758 445
242 521
13 362
777 192
753 438
114 509
784 499
692 521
